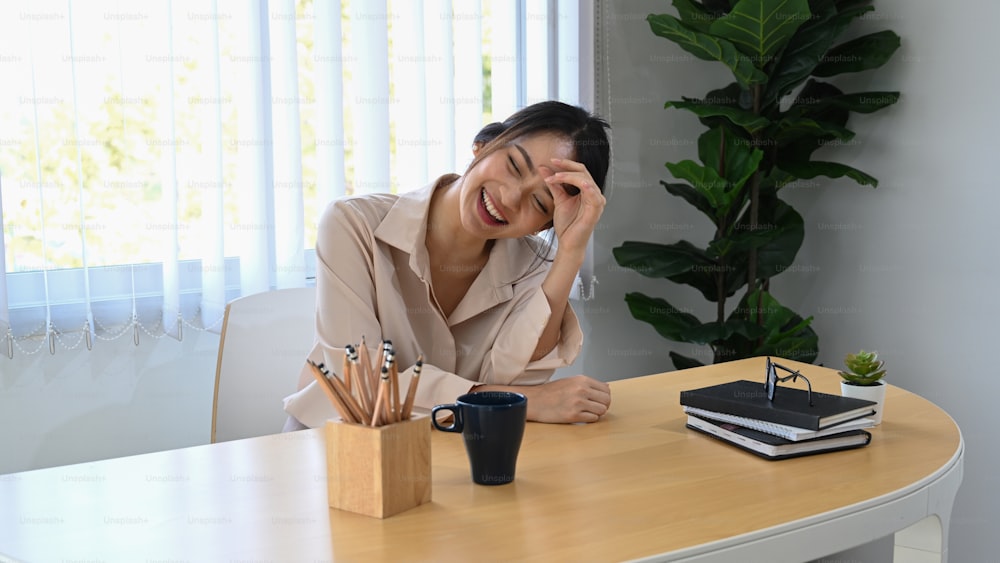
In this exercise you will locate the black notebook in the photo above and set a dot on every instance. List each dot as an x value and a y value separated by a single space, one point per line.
790 406
773 447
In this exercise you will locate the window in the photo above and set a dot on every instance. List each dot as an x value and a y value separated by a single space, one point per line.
158 159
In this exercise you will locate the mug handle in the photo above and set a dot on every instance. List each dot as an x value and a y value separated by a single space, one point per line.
456 411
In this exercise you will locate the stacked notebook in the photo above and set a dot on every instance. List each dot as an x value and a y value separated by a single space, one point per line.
740 414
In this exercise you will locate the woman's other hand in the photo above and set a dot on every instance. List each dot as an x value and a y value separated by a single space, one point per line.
568 400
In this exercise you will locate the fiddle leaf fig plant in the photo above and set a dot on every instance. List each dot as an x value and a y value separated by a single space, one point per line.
761 133
863 368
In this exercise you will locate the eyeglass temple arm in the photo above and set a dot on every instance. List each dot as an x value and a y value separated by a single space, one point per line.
794 375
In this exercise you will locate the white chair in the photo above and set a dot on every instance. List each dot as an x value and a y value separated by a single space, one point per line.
264 342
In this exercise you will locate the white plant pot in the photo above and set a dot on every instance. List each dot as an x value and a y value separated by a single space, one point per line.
869 393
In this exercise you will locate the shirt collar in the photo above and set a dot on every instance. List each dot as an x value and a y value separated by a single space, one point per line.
405 227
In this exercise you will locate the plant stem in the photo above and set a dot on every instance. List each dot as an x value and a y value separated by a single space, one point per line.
754 203
721 227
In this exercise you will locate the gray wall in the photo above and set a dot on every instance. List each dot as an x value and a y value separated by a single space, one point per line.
908 268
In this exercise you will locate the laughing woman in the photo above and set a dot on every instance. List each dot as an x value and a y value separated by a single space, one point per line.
457 273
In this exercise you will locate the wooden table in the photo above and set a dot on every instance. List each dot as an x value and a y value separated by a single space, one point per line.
635 486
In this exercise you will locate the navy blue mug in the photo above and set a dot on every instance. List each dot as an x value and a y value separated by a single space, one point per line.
492 423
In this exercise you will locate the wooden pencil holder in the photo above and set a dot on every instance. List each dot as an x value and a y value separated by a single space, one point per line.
378 471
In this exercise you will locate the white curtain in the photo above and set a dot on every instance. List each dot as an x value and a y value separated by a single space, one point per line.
5 330
161 158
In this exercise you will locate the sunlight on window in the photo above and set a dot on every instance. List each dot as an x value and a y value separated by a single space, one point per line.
95 119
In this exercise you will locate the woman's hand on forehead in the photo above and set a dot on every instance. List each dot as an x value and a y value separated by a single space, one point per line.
576 214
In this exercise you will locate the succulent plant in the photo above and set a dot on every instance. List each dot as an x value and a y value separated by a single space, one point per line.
863 368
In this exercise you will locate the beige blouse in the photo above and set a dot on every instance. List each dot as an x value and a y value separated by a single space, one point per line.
373 280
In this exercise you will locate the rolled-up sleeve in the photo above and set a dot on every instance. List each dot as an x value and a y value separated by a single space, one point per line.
509 362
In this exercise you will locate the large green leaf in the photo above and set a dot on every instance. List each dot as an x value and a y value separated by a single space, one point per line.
707 47
778 254
814 168
669 321
777 238
733 157
804 52
861 102
680 262
692 196
762 27
684 362
734 275
744 240
694 15
774 181
792 129
763 309
853 8
826 104
655 260
864 53
706 181
719 7
704 280
812 103
734 96
710 332
739 117
787 335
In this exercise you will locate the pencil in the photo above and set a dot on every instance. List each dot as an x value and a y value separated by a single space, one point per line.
327 386
380 401
411 391
382 350
347 369
361 381
367 372
352 356
394 386
387 402
338 386
356 411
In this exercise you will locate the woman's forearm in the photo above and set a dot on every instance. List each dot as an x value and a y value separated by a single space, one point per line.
556 287
568 400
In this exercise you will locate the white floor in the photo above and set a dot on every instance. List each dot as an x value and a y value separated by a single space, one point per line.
920 543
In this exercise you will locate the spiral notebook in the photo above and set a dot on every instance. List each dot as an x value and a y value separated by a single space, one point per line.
792 433
772 447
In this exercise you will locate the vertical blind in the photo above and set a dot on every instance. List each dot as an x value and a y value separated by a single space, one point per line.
158 159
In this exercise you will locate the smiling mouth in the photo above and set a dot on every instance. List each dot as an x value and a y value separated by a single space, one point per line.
491 209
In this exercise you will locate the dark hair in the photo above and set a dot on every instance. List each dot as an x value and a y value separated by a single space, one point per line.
488 133
585 131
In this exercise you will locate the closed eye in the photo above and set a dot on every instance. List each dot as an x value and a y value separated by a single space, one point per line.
541 206
513 165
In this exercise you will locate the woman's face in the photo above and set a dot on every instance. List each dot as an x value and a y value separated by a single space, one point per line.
504 195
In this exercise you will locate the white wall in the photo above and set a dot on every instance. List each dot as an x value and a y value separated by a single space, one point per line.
118 399
908 268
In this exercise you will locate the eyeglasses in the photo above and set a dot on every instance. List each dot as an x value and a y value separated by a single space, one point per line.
771 380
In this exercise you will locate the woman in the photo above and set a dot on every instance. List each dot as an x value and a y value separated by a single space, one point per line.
455 272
